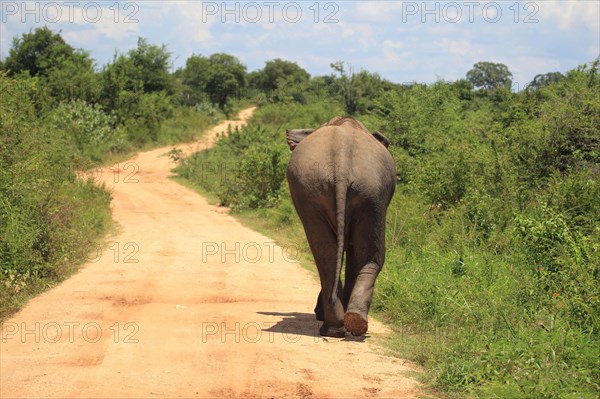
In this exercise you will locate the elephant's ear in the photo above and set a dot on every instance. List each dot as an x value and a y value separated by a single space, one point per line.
381 138
295 136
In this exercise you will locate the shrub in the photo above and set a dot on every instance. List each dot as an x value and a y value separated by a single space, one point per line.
246 169
92 131
445 182
47 216
565 264
261 174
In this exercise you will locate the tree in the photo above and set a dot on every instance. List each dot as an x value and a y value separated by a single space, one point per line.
151 66
546 79
227 78
144 69
195 77
463 89
71 81
348 90
66 72
368 87
41 50
278 73
218 78
136 88
119 83
490 75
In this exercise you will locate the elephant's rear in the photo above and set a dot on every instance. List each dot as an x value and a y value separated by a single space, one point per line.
333 151
335 155
341 180
316 165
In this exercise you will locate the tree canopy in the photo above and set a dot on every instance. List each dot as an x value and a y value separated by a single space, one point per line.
39 51
489 75
150 65
545 79
278 73
218 78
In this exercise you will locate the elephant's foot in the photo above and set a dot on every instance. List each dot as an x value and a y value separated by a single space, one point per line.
329 331
319 314
319 310
355 324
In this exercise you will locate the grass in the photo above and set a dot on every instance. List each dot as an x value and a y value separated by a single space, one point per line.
186 125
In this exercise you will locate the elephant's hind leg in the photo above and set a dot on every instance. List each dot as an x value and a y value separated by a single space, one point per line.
355 319
323 245
368 256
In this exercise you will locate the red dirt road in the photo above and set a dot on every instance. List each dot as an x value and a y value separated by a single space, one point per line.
184 301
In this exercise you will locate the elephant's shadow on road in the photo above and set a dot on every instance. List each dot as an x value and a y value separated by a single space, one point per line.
292 325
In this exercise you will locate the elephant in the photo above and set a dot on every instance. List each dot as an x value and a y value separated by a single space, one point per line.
341 179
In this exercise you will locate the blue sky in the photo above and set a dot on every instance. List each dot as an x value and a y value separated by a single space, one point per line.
403 41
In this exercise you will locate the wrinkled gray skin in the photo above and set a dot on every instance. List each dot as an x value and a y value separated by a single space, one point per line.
342 179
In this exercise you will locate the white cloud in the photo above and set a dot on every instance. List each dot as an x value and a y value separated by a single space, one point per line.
360 33
569 14
186 20
390 44
378 11
458 47
394 54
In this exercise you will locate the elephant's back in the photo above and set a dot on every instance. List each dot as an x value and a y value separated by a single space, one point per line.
316 150
328 142
334 151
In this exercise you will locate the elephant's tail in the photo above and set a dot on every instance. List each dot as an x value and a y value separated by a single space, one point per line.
341 190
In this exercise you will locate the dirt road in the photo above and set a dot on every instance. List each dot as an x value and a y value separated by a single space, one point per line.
184 301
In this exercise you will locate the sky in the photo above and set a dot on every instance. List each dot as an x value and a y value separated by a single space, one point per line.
402 41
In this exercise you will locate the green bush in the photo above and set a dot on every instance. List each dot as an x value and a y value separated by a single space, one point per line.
246 169
260 178
565 263
143 116
445 182
92 131
47 215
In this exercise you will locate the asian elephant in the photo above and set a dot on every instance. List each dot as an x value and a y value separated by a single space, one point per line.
342 179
